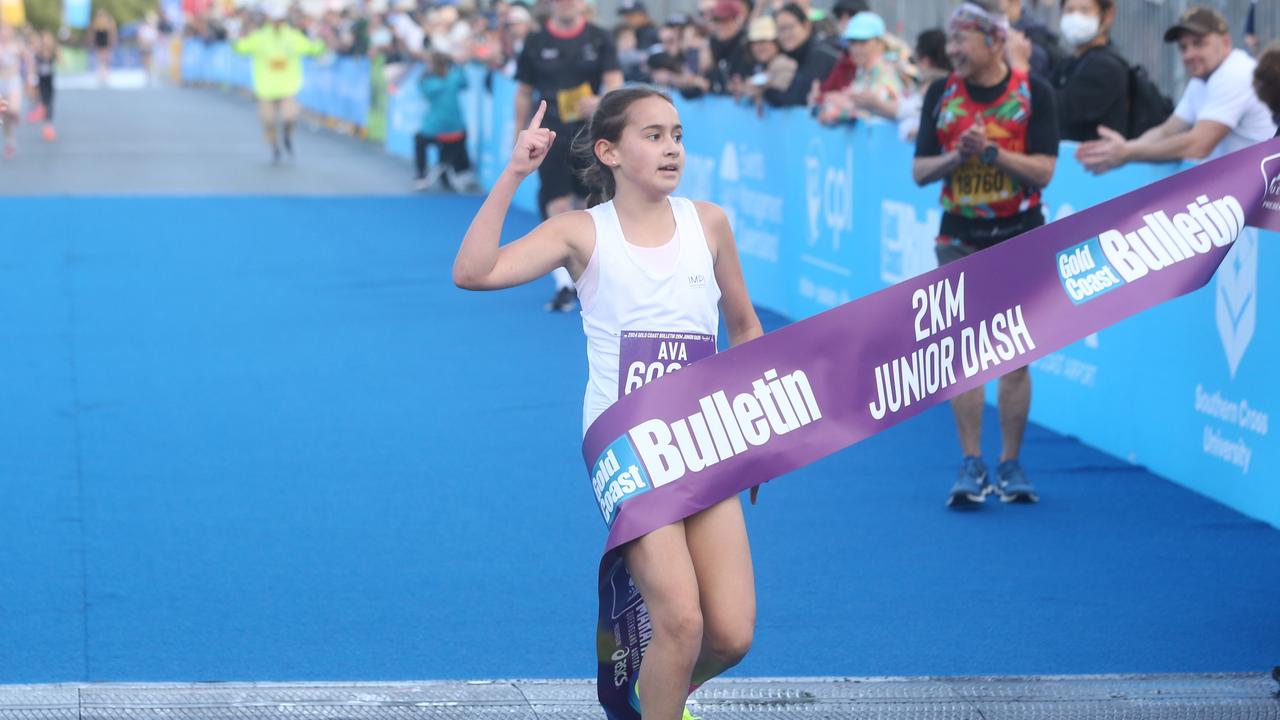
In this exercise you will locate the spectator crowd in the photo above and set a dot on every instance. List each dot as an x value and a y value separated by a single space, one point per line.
842 64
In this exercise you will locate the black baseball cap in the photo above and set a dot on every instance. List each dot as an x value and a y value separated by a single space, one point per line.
850 7
1197 20
632 6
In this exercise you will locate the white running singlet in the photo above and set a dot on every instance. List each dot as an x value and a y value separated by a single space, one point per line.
677 314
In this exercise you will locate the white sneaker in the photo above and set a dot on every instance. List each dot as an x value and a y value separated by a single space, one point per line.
434 174
464 181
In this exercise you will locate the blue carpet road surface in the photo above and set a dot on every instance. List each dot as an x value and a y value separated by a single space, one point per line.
267 439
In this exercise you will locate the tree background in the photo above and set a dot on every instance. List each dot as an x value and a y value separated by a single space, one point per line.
47 14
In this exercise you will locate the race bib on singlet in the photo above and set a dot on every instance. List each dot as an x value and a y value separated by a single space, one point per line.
977 184
567 102
645 356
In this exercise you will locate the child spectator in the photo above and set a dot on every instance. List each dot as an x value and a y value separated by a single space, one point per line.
443 126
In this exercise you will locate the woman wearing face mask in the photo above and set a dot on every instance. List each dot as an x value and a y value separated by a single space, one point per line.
1093 84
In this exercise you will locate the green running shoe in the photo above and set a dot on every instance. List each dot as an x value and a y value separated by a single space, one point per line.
635 703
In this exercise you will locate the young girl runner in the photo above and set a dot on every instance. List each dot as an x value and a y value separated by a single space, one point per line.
46 65
443 125
636 259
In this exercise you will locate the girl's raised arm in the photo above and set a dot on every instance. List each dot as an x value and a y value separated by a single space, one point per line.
481 264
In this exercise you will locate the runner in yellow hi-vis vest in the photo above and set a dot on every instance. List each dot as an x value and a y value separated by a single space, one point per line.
277 49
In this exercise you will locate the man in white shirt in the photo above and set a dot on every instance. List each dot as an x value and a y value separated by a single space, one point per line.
1218 113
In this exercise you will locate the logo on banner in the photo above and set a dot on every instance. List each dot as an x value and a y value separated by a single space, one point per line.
699 172
618 476
906 244
1270 166
828 194
1113 258
813 186
729 164
1085 272
625 594
1235 298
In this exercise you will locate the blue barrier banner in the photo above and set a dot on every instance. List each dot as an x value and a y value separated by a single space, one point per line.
353 90
498 139
318 94
405 108
477 102
336 88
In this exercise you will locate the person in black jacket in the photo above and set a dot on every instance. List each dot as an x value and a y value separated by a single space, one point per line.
730 56
815 59
1092 85
636 16
1032 46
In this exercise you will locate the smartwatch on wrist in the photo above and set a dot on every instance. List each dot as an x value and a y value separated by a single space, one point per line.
989 154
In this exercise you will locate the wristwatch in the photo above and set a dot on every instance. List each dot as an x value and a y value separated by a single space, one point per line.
989 154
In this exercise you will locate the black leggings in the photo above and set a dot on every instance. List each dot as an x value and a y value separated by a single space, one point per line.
46 96
452 153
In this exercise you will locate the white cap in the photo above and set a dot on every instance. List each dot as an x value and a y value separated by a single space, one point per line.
517 14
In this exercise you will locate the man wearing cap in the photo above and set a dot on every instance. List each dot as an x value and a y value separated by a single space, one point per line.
730 56
1218 113
989 132
277 50
569 63
636 16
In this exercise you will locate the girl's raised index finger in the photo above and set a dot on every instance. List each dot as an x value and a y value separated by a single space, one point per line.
536 122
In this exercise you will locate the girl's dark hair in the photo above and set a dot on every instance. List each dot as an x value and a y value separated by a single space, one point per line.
607 123
932 44
800 13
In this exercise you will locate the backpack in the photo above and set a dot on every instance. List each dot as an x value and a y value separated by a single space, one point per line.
1148 107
